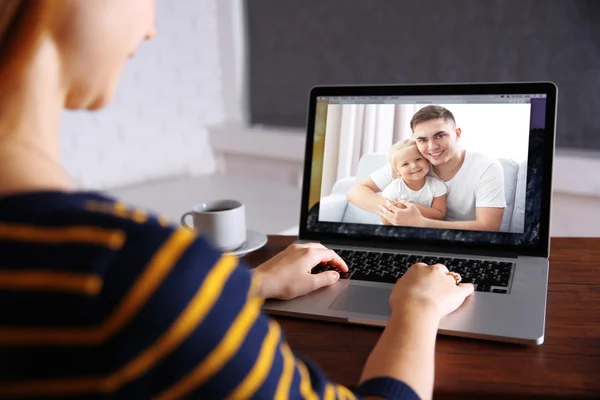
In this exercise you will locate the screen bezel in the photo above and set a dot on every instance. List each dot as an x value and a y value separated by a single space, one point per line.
539 249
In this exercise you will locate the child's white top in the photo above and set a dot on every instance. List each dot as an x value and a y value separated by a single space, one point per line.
397 189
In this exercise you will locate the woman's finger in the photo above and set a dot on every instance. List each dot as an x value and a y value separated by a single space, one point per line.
440 267
325 278
456 276
328 256
467 288
335 260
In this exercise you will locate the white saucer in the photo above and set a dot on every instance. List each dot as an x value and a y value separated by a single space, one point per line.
254 241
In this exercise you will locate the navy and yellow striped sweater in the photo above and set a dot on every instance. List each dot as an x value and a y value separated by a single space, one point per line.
98 301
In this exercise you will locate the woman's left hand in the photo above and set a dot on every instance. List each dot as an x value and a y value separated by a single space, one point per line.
288 274
408 216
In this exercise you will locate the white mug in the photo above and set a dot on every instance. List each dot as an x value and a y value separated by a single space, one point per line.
222 221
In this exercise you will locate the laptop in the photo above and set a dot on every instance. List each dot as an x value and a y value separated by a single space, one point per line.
507 132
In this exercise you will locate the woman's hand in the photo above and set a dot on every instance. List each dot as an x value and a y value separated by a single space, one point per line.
287 275
428 288
409 215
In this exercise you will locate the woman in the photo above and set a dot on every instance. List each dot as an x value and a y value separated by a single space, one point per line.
100 301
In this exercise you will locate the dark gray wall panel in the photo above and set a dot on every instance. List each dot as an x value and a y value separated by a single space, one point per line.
295 44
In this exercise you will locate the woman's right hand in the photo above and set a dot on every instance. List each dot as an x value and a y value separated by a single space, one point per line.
288 274
428 287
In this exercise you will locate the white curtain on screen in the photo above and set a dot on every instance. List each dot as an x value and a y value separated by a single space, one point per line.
355 129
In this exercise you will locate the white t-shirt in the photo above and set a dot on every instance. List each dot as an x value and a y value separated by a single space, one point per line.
433 188
478 183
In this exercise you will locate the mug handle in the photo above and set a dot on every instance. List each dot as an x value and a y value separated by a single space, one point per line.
183 223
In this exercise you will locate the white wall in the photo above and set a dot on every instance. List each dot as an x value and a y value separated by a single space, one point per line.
168 94
574 215
499 130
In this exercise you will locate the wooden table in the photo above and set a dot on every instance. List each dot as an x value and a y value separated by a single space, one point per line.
566 366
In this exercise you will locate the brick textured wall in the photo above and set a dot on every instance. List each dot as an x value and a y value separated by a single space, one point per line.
168 94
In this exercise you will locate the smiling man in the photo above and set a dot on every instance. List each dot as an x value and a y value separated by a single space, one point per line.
475 182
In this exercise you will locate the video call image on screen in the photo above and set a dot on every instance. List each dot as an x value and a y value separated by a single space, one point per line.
454 158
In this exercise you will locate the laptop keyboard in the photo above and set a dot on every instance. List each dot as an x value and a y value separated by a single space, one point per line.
487 276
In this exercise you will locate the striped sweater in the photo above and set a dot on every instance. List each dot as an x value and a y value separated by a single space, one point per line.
101 301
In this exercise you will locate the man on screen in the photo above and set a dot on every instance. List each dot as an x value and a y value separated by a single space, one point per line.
475 182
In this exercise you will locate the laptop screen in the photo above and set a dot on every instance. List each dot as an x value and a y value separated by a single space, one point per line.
446 167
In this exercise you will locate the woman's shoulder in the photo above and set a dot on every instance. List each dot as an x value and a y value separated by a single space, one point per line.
97 236
57 207
120 213
89 219
151 234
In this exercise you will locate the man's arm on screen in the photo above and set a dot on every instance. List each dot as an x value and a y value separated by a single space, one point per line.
364 195
487 219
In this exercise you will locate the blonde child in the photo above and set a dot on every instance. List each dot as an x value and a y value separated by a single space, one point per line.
411 182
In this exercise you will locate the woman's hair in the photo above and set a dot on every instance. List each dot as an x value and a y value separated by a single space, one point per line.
21 24
396 149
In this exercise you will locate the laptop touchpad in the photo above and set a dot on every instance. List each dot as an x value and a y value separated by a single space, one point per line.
364 300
